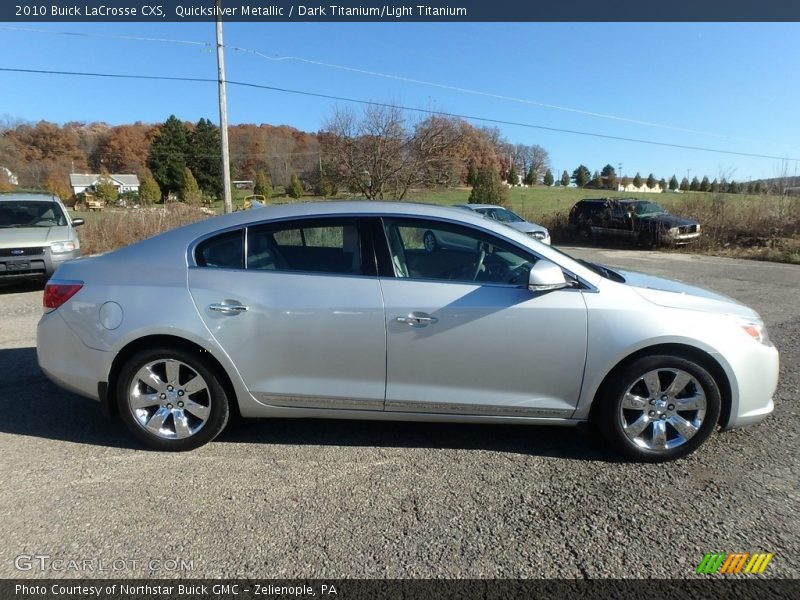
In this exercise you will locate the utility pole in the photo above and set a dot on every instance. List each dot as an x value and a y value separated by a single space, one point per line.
223 115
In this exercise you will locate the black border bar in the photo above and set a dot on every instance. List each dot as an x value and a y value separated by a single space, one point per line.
734 588
432 11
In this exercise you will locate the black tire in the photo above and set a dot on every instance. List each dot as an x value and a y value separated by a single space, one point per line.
429 241
201 421
610 416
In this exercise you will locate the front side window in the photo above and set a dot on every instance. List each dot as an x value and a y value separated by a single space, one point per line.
328 245
441 251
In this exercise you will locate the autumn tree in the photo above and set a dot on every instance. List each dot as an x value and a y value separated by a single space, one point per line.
125 148
168 157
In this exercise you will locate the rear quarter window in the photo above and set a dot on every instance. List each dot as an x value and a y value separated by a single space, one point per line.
223 251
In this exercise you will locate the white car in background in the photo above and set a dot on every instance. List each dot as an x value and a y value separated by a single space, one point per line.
37 235
512 219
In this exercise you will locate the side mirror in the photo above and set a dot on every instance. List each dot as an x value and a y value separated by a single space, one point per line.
546 276
76 222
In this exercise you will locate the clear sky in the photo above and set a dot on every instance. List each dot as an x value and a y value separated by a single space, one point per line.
726 86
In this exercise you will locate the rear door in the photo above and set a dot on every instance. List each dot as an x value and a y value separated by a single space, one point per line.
297 306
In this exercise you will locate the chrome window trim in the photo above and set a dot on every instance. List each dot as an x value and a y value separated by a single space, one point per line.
191 261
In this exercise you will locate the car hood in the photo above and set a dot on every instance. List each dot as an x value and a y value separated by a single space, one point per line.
526 227
676 294
26 237
668 220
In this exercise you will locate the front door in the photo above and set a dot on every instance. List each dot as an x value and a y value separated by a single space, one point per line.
466 336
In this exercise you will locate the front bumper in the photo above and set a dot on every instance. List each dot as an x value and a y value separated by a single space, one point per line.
756 378
66 360
40 265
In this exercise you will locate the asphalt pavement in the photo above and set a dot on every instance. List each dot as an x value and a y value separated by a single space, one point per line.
333 499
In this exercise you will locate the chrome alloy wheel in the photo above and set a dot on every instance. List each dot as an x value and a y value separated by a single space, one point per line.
663 409
169 399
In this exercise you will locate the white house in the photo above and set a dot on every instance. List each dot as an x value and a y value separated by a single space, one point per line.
80 182
642 189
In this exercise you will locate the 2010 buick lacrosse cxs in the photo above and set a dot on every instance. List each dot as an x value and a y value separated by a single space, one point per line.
340 310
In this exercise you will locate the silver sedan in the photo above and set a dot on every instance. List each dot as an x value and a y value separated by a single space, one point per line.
339 310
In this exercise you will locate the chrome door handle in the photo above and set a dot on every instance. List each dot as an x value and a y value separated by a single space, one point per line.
228 309
417 319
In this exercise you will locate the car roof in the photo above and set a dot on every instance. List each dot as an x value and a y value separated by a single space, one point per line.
27 196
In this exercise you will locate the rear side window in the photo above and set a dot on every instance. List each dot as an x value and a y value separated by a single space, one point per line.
224 251
312 245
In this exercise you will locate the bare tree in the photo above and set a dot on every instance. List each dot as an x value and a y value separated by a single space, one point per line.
539 161
378 155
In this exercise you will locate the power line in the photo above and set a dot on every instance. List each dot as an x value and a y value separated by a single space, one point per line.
406 108
444 86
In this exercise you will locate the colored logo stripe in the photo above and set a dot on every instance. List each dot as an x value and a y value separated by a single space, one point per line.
724 562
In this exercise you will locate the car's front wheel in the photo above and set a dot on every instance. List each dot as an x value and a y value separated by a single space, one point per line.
171 399
658 408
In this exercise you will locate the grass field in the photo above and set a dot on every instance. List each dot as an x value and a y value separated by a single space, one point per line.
758 227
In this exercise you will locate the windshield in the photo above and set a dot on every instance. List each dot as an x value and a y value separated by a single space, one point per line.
506 216
647 208
31 213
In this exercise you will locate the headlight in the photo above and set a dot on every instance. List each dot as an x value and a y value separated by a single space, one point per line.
539 235
756 330
61 247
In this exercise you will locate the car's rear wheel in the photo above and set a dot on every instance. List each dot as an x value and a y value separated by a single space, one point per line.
171 399
658 408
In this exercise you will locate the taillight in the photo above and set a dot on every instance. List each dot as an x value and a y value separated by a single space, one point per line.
58 292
